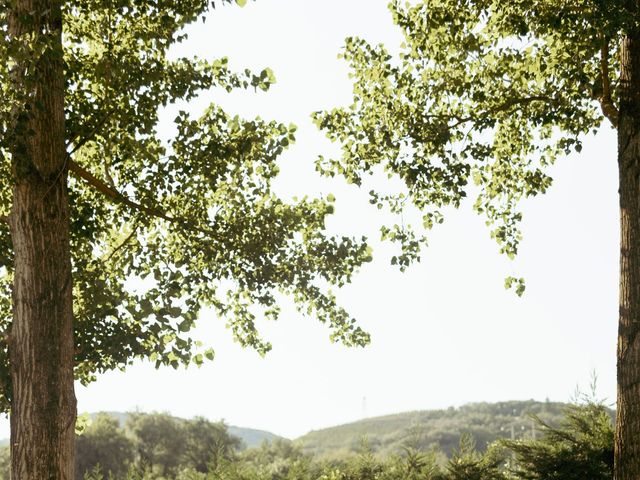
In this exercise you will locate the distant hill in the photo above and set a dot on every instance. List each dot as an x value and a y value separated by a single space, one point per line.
252 437
249 436
441 429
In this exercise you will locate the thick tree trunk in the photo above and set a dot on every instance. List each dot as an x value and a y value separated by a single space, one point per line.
43 407
627 440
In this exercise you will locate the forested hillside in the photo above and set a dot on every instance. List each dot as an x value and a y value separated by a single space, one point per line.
442 429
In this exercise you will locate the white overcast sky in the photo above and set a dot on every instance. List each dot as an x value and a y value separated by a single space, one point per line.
444 333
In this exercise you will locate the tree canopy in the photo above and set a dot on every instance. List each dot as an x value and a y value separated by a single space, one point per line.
103 443
189 221
480 100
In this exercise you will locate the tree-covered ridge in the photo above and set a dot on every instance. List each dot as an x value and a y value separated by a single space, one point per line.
441 429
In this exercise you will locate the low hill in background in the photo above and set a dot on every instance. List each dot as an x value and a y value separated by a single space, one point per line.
441 429
251 437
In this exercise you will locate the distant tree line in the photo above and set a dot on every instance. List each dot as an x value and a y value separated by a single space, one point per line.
149 446
161 447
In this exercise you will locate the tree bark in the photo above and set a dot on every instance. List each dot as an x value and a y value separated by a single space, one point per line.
43 405
627 439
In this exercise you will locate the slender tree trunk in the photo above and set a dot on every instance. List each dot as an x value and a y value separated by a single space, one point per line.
43 406
627 440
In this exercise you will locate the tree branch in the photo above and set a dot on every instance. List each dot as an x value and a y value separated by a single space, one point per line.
458 120
117 197
606 103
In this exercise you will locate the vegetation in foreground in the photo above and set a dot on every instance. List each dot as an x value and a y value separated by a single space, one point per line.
161 447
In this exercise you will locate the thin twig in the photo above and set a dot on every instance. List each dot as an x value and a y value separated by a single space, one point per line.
124 242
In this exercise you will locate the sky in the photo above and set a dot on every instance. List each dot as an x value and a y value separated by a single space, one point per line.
445 332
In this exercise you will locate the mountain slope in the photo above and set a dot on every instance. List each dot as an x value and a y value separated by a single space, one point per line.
441 429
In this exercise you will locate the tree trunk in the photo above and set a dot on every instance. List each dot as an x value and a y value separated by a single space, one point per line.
43 406
627 440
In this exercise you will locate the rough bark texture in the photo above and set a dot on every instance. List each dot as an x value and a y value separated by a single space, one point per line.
627 440
43 406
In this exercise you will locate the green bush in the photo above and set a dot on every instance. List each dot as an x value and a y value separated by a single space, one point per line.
467 464
580 448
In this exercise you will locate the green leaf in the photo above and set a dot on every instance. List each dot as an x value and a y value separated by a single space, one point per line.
268 74
82 422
